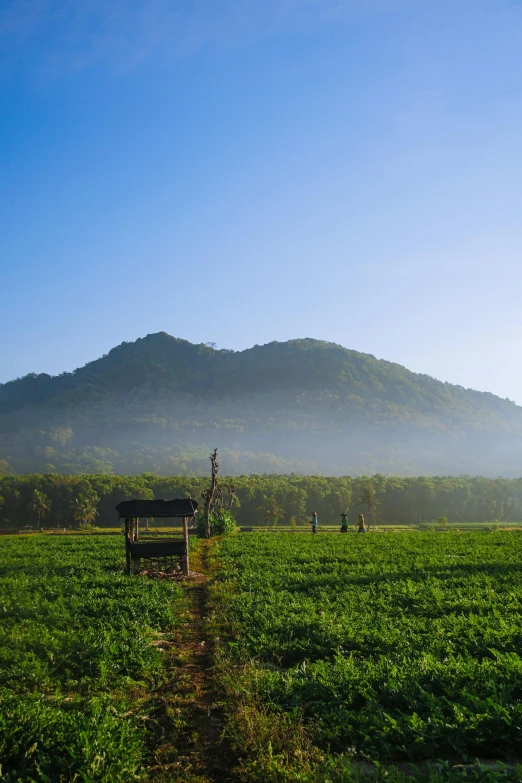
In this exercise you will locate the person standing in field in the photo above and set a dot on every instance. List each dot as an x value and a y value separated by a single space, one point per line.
344 523
360 524
314 522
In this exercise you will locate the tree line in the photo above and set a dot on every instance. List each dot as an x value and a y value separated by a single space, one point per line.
54 500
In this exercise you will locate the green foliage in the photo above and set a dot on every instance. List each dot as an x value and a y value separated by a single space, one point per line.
343 770
272 511
369 499
389 648
222 523
269 500
40 505
303 406
75 645
84 509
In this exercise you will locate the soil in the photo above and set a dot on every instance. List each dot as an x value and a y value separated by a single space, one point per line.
196 752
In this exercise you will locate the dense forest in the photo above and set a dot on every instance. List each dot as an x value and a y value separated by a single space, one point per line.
74 501
305 406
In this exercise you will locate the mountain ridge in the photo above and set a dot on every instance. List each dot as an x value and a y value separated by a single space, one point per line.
168 393
163 339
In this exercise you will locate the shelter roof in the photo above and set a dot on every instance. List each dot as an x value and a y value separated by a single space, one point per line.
180 507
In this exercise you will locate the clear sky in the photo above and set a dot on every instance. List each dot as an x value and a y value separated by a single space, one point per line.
241 171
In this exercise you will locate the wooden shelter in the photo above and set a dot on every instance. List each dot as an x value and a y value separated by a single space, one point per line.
165 550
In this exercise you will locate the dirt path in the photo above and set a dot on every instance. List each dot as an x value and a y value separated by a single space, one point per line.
201 755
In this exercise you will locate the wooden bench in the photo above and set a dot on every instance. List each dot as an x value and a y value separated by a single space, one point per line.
155 550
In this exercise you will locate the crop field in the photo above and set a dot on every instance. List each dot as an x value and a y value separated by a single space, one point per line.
77 665
382 648
325 654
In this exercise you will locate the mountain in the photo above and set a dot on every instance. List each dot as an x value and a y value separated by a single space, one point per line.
159 404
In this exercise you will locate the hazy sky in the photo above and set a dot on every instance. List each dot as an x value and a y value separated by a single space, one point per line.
241 171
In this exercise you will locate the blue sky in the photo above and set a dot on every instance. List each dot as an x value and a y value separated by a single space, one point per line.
241 172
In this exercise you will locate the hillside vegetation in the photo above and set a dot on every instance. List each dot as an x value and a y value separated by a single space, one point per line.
160 403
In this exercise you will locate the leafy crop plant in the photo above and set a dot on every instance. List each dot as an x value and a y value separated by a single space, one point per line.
76 660
355 649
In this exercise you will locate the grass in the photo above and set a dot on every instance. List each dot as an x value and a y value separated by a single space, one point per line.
342 650
78 667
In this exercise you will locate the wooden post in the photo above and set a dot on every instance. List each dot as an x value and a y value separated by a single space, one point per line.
137 528
127 547
186 537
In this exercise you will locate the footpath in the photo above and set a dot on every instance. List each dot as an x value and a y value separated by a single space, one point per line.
190 747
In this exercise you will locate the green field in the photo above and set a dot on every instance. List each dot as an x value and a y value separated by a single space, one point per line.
387 648
330 653
77 666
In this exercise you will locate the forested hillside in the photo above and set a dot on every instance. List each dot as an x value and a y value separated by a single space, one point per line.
159 404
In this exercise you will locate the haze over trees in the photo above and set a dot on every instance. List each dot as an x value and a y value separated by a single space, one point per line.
161 404
78 501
